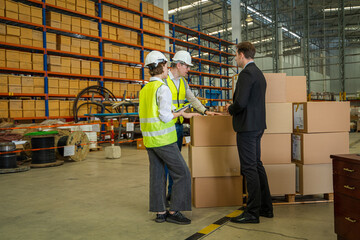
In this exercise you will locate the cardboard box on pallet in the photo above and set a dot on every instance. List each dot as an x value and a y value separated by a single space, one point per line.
276 148
212 131
281 178
217 191
316 148
314 179
214 161
316 117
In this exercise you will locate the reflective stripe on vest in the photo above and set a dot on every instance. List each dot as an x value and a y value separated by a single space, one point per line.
178 95
155 132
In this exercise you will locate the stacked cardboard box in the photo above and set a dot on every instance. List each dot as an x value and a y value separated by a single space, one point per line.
39 85
82 6
4 84
281 91
152 10
152 42
21 11
72 65
119 34
119 16
54 108
39 108
15 109
73 87
28 108
14 84
4 108
120 71
121 53
214 162
29 61
153 26
70 44
21 84
320 129
53 84
72 23
2 58
27 85
64 108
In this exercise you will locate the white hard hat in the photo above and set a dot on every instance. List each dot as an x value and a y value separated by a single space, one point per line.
155 57
183 56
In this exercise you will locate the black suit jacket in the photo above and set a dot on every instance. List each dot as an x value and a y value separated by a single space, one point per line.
248 108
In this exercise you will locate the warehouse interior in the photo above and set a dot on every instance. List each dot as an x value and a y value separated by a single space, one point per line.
73 160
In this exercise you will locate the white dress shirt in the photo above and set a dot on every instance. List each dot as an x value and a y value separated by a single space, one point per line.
164 101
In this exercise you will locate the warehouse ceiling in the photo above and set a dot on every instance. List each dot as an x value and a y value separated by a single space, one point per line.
212 16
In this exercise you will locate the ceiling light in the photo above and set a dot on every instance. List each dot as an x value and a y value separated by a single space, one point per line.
337 9
249 19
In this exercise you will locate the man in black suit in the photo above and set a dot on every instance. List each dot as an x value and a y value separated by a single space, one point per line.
249 123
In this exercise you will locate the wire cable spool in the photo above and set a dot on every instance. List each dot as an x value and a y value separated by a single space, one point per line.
8 162
46 157
81 143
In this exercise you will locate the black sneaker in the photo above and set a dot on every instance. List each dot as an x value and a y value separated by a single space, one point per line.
177 218
161 217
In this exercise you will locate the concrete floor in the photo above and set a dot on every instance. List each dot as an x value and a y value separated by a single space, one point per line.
108 199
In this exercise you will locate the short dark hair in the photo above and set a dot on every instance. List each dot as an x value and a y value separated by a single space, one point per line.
156 70
247 49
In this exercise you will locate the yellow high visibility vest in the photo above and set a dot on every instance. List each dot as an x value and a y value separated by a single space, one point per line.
155 132
178 96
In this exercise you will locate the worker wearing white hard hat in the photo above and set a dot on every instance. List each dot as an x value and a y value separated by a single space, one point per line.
157 123
180 66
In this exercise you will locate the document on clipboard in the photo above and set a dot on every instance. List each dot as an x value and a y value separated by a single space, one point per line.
184 107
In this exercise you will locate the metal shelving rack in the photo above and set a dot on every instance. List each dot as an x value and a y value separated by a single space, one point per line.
222 64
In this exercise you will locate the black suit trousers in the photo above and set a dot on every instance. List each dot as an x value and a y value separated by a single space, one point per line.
252 169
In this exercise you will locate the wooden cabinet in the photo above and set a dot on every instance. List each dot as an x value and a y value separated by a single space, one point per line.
346 173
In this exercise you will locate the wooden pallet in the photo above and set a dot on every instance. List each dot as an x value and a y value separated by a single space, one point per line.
302 199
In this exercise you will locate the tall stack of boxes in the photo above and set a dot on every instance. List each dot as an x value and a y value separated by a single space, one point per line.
214 162
320 129
281 91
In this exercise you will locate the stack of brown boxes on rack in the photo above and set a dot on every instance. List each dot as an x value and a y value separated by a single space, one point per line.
21 35
21 60
281 91
72 23
21 11
59 64
120 16
82 6
21 84
321 129
214 162
22 108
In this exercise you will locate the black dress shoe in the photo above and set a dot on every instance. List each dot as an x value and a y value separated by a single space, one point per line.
245 218
268 214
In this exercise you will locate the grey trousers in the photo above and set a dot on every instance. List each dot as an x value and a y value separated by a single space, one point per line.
178 170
